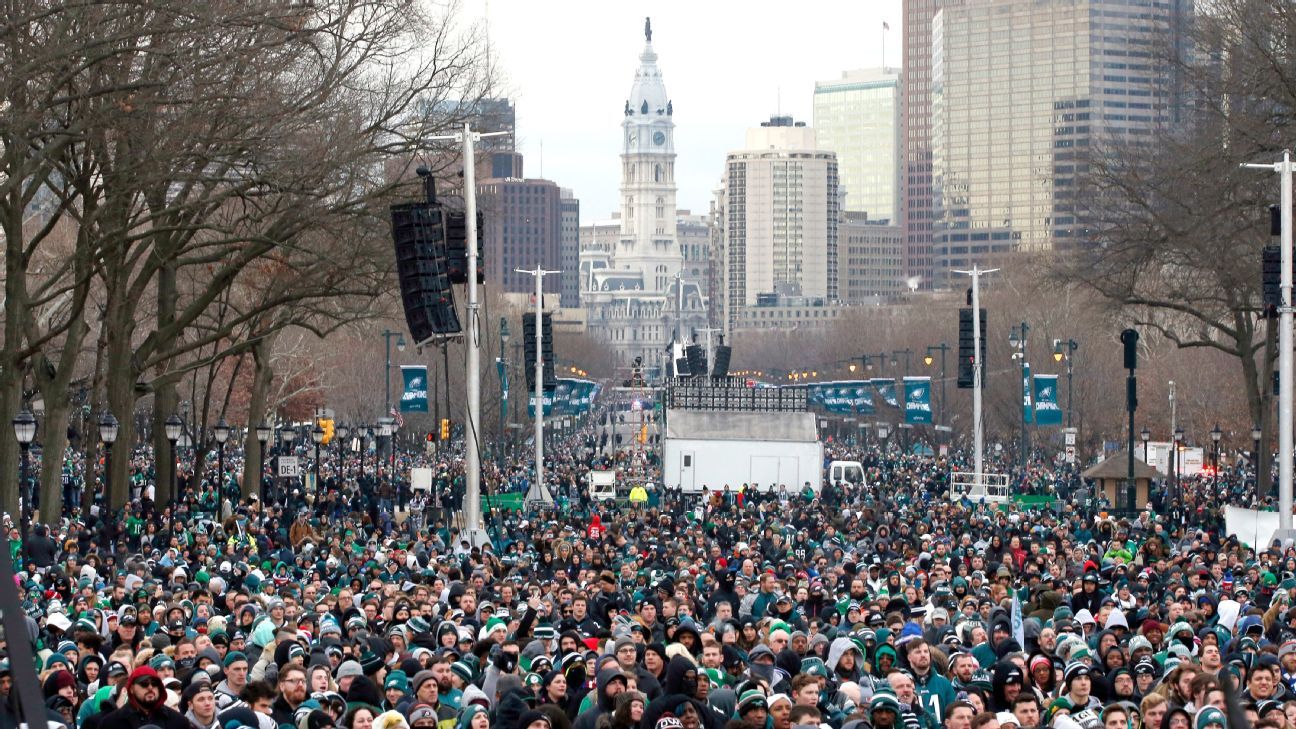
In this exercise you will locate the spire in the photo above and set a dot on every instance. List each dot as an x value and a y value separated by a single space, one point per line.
648 88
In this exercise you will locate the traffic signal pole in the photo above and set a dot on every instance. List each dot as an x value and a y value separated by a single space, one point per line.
537 492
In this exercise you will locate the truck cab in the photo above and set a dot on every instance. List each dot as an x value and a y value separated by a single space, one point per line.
851 472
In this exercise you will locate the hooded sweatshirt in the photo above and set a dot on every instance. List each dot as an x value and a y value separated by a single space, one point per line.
134 715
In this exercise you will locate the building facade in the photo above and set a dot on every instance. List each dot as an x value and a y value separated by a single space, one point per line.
780 202
915 122
522 229
874 260
1021 91
569 247
858 117
637 298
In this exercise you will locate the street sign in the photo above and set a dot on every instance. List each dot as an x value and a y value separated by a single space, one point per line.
1070 435
1070 454
288 467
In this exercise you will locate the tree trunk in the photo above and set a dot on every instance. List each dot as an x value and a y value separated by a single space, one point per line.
119 386
93 474
11 367
262 376
164 406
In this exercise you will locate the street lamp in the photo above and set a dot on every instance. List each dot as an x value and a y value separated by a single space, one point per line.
108 429
1255 452
363 434
172 428
907 354
24 425
342 432
1017 340
1215 435
927 360
1064 350
317 436
287 435
263 433
503 375
1146 435
1174 458
221 433
400 347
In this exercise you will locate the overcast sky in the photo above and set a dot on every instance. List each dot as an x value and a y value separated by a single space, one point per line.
568 66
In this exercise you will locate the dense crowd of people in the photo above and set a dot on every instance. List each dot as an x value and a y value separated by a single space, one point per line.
881 605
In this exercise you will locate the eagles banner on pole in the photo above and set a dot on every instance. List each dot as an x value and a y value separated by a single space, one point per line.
1026 393
917 402
887 389
414 398
1047 411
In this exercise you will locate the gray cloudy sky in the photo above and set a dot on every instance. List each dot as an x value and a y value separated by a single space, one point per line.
568 66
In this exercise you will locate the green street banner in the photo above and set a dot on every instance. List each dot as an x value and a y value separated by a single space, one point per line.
844 397
414 398
1047 411
570 397
886 389
1026 393
917 405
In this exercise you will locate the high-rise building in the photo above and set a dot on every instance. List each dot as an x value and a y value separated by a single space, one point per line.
915 121
873 260
858 117
523 227
781 211
636 297
1021 90
569 248
694 235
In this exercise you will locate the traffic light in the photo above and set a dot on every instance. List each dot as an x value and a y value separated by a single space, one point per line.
445 429
431 437
966 357
326 425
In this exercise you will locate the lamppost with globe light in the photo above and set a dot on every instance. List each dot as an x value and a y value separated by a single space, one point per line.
1216 434
263 433
108 430
1017 340
400 347
287 434
1174 459
1064 349
24 425
1146 435
1255 452
317 437
172 428
342 432
221 433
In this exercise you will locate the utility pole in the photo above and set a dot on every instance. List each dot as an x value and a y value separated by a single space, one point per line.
537 492
978 372
1284 169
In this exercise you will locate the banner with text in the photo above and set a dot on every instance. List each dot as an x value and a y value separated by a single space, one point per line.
1047 411
918 409
1026 393
886 389
843 398
414 398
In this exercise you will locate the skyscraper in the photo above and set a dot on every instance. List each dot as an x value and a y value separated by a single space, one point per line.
522 229
637 300
858 117
569 248
1021 91
781 211
915 120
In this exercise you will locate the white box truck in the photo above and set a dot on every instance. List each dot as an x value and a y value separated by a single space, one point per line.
709 449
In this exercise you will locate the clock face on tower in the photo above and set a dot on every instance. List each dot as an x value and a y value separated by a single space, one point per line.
659 138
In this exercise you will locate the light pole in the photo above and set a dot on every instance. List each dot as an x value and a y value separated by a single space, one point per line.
108 429
317 437
503 378
927 360
24 425
287 434
362 433
342 433
1017 340
1255 452
883 431
1064 350
263 434
907 354
221 433
1174 459
1215 435
173 427
1146 435
400 347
